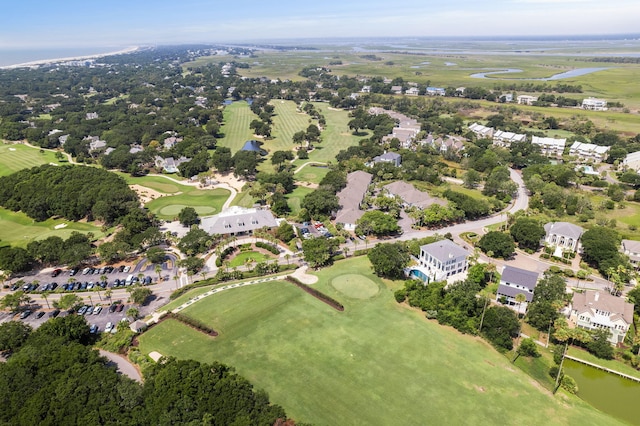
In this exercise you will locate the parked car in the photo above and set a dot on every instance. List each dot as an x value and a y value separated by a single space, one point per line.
113 308
45 287
93 329
85 271
25 314
126 269
55 313
97 310
82 310
14 287
56 272
89 310
121 268
73 271
108 327
53 286
120 308
147 280
40 314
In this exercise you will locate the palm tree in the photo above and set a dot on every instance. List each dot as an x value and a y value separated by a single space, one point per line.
175 277
491 269
158 270
520 298
288 257
203 274
45 296
108 292
103 278
346 251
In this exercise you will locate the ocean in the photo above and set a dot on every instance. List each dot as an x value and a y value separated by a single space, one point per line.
20 56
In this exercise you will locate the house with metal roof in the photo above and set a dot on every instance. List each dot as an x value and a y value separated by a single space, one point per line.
514 281
632 249
443 259
564 236
595 310
388 157
237 220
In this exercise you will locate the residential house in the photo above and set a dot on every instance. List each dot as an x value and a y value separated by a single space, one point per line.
514 281
350 198
481 132
169 164
632 249
366 89
237 220
594 309
397 90
443 259
92 115
549 147
412 91
505 139
564 236
594 104
170 142
632 161
506 97
410 196
451 143
527 99
460 91
135 148
388 157
436 91
405 131
589 152
95 143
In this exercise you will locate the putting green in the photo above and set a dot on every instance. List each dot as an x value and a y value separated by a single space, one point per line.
355 286
174 209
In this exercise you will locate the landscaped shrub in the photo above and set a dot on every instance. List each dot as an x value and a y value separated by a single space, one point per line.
270 247
317 294
225 253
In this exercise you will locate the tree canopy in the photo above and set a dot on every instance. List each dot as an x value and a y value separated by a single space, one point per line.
389 260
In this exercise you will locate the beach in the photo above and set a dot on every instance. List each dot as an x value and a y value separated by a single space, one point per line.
39 62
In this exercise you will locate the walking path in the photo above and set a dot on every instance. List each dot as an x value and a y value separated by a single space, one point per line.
124 365
308 163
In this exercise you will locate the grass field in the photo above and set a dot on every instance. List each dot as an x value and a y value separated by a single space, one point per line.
375 363
156 183
312 173
295 198
17 229
237 118
205 202
14 157
286 122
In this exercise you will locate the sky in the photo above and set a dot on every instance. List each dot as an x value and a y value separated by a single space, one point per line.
31 24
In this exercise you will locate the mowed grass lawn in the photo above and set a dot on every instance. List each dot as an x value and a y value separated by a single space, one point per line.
295 198
14 157
157 183
205 202
312 173
17 229
237 118
376 363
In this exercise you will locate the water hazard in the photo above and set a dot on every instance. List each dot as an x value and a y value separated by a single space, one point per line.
567 74
607 392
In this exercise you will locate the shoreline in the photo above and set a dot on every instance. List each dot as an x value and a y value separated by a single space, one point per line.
40 62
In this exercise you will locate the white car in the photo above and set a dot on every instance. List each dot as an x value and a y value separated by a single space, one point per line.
127 269
108 327
97 310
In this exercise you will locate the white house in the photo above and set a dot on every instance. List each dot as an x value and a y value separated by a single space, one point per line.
549 147
527 99
632 250
594 310
443 259
397 90
481 131
436 91
589 151
632 161
237 220
564 236
505 139
514 281
412 91
594 104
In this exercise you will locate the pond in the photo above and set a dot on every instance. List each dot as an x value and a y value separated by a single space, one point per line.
567 74
607 392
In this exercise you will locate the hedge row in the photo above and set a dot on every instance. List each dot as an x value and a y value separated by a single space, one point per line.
226 252
273 249
317 294
192 322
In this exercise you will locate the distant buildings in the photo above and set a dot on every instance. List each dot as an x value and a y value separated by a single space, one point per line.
549 147
481 132
505 139
632 161
563 236
594 104
388 157
436 91
410 196
595 310
632 250
405 131
527 99
589 152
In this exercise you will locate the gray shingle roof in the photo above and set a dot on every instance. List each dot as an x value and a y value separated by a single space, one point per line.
351 196
603 301
564 228
631 246
513 292
519 276
237 219
444 250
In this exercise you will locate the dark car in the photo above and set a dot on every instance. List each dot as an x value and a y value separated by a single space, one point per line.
74 271
113 308
25 314
45 287
93 329
53 286
120 308
121 268
14 287
56 272
147 280
55 313
40 314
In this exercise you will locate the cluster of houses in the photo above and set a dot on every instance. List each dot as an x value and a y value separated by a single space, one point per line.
591 309
550 147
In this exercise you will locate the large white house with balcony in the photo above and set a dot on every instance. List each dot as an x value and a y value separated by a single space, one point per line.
589 152
563 236
549 147
505 139
594 104
443 259
514 281
595 310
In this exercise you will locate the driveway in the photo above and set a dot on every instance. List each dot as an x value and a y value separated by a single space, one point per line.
124 366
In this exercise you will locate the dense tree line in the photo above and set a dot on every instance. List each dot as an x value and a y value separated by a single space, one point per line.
54 377
71 192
